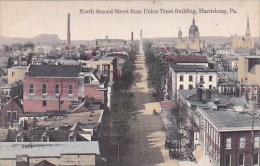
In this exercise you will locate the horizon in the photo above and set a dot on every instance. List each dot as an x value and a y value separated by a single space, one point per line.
31 19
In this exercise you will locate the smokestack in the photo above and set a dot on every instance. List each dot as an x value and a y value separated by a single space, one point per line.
132 36
68 31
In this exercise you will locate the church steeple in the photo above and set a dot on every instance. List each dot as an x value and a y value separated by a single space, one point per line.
247 27
193 20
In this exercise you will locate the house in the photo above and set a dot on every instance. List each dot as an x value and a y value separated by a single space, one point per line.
10 113
57 153
182 77
51 87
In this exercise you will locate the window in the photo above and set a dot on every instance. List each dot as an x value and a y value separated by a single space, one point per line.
210 78
87 80
228 160
181 78
243 90
242 142
210 86
44 89
13 74
70 89
190 78
255 90
98 67
45 139
255 98
228 143
190 87
61 102
57 88
256 142
241 159
201 79
256 159
31 90
9 114
248 90
181 87
44 103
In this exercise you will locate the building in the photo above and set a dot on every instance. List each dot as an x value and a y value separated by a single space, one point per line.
57 153
16 74
221 127
193 42
245 42
183 77
109 42
10 113
51 87
251 91
249 69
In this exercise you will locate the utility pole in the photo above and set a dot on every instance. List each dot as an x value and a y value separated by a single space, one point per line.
252 132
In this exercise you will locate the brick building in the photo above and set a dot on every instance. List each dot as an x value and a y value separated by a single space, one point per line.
9 115
221 128
50 87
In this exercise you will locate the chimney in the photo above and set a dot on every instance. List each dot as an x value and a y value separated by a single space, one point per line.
68 31
132 36
199 94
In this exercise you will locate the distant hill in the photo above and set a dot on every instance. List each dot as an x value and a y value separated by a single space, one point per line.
42 39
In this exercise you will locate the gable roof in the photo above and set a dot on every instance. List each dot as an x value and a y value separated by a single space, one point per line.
44 163
54 70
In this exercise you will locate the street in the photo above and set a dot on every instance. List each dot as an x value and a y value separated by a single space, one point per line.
147 130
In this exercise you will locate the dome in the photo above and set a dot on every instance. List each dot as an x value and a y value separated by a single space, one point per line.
194 30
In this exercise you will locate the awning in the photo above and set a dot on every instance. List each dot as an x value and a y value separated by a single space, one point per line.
198 153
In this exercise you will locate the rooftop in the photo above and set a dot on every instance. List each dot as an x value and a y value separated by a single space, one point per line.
54 70
228 119
187 59
50 149
191 68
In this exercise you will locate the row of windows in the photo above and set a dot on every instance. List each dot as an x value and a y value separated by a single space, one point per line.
191 87
44 89
242 142
248 90
242 160
191 78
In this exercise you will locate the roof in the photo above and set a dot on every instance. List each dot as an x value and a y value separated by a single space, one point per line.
54 70
227 119
187 59
84 118
50 149
3 134
191 68
167 104
44 163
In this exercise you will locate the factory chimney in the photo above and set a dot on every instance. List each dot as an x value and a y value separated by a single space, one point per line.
68 31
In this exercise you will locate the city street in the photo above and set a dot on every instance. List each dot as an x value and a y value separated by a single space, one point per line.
147 130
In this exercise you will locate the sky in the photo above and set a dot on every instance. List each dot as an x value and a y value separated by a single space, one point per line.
31 18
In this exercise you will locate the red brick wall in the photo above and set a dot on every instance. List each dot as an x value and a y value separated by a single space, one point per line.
34 103
92 91
235 150
4 116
